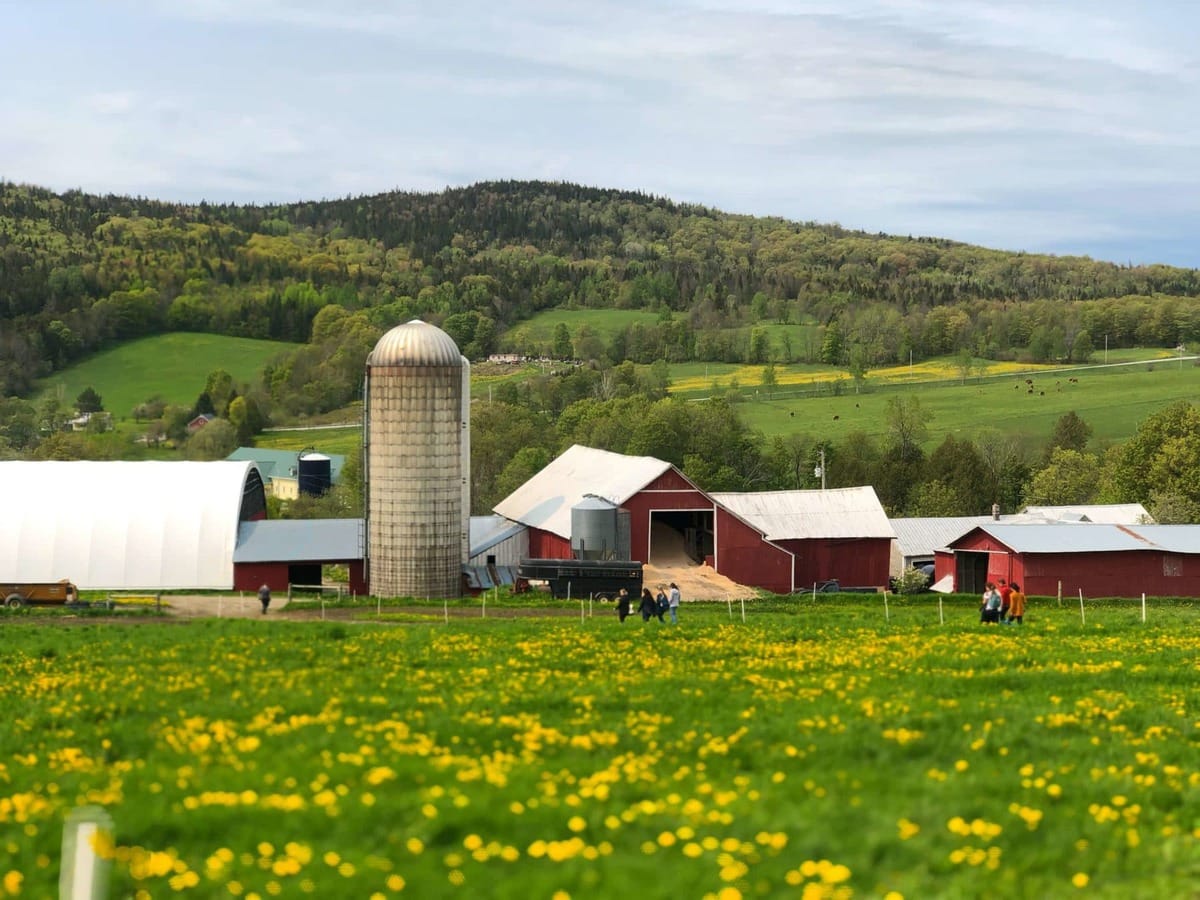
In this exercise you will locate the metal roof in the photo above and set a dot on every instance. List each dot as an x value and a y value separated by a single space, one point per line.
488 531
416 343
545 500
299 540
853 512
921 536
1095 538
1104 513
279 463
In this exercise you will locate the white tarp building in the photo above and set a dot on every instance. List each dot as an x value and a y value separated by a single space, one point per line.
125 525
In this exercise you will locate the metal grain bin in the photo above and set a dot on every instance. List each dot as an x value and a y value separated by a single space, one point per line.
414 440
593 528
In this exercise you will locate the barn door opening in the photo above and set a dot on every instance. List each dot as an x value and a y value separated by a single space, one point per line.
970 572
681 537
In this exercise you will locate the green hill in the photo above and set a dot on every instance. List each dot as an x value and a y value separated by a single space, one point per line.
171 365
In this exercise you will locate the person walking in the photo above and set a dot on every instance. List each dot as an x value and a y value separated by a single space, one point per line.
1005 598
647 607
264 597
673 599
623 604
989 611
1016 605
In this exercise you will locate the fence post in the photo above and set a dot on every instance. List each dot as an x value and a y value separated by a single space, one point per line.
886 613
1082 618
941 614
84 874
1143 606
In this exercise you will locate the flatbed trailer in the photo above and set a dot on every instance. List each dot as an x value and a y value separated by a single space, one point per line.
576 578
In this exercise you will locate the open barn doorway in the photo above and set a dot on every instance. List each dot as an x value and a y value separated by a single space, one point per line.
971 571
680 537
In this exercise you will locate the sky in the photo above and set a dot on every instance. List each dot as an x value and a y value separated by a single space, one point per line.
1068 127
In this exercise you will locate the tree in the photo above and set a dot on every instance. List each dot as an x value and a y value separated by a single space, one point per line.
760 346
768 376
858 366
833 345
246 418
220 390
1155 461
562 342
1082 349
89 401
216 440
1070 433
1070 478
964 362
959 467
936 499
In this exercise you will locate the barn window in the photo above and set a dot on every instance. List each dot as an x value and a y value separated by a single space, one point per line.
1172 565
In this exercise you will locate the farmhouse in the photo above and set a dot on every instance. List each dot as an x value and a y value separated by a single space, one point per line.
1100 560
841 534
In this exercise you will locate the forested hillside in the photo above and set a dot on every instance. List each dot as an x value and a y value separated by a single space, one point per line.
79 272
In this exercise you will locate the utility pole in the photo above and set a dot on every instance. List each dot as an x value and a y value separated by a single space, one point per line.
819 471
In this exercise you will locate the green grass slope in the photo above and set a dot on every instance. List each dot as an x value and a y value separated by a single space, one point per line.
173 365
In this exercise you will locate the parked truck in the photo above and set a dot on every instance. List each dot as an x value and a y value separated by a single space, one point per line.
53 593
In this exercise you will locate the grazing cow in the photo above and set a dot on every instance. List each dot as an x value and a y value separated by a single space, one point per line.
1030 391
792 414
835 418
1042 393
1029 381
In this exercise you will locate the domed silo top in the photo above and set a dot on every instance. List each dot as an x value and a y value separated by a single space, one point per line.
416 343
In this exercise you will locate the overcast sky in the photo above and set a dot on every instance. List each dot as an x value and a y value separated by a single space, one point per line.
1068 126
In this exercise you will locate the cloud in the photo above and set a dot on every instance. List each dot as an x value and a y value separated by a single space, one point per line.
1017 123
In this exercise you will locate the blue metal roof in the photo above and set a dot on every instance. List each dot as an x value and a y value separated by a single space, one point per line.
299 540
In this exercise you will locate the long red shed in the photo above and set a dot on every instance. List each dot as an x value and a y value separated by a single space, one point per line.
1100 560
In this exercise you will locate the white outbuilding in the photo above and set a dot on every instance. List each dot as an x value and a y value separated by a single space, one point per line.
126 525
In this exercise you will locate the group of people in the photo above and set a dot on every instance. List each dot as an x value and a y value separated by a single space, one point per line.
1005 604
651 605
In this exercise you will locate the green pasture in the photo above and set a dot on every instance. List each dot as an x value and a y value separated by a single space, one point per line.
344 440
826 748
1113 401
540 328
173 365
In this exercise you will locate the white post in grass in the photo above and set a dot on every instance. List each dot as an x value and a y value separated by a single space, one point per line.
887 615
814 592
1082 618
941 615
743 602
322 607
379 606
582 617
591 600
568 592
729 600
446 611
1060 593
483 608
1143 606
84 874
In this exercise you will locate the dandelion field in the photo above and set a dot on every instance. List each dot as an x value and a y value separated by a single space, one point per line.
812 751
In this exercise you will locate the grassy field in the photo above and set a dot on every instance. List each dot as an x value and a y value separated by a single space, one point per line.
540 328
818 750
173 365
1113 401
346 441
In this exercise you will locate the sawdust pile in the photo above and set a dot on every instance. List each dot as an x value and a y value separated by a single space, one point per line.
670 562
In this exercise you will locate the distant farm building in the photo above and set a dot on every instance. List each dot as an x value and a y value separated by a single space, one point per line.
199 422
286 471
1100 560
840 534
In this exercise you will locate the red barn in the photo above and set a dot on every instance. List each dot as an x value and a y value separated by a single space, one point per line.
1100 560
841 534
669 516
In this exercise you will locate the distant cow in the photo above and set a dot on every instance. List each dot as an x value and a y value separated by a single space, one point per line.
835 418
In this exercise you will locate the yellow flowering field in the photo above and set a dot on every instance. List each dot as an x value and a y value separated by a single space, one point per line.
806 753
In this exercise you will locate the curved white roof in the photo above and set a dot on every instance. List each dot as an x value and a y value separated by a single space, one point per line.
123 525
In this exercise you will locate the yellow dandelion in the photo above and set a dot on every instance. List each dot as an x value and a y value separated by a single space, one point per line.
1080 880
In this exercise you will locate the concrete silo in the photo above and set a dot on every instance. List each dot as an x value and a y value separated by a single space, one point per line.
415 450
